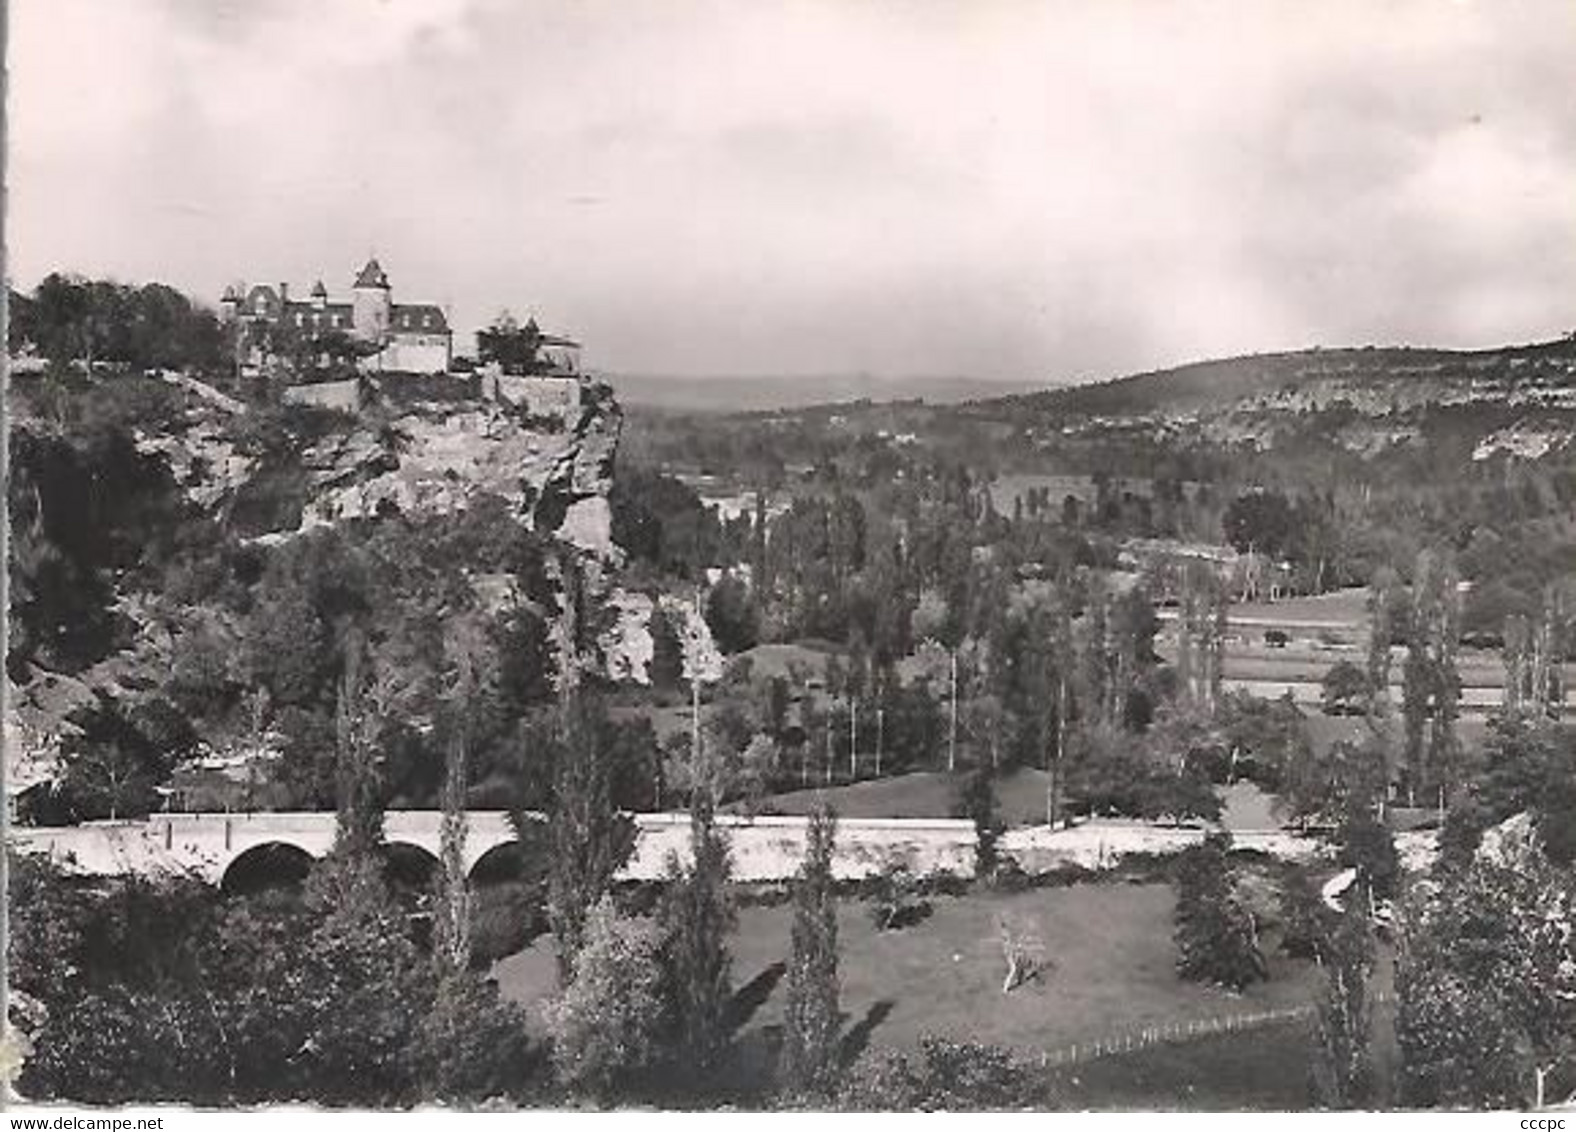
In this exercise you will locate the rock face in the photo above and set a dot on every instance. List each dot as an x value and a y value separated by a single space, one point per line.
420 457
629 648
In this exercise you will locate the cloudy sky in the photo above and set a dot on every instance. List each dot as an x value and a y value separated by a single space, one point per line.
1041 189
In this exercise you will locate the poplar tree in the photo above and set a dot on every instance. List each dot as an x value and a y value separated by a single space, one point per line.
697 918
588 837
1381 628
1342 1072
452 931
359 783
812 1014
1431 688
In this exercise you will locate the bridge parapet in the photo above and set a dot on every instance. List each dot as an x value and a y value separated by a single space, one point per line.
767 848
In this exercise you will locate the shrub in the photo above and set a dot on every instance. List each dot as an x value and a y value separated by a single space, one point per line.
472 1047
607 1024
895 902
944 1076
1022 951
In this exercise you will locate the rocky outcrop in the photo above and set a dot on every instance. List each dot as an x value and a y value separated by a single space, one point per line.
628 646
419 457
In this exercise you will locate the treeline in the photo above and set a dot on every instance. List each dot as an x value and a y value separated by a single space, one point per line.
71 320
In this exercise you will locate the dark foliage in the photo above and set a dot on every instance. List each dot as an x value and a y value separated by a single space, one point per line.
1217 940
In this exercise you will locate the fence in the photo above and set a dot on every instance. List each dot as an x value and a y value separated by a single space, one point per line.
1147 1036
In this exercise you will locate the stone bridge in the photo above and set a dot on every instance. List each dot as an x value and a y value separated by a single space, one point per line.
213 846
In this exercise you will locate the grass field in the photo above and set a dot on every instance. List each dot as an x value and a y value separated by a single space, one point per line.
921 794
1110 970
1020 794
1346 608
1264 1070
1324 731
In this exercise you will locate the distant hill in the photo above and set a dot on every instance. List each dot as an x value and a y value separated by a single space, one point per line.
1217 384
1415 411
1519 401
725 394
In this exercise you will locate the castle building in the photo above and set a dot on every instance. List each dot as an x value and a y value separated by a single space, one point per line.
408 337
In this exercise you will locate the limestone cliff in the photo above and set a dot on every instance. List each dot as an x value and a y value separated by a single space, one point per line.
408 456
269 474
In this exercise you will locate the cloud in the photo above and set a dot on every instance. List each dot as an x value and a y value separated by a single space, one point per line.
994 187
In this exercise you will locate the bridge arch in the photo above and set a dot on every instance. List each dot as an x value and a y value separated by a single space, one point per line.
266 865
409 866
504 863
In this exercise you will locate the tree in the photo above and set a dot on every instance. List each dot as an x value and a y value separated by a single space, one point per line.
452 929
1345 689
1486 978
1381 629
515 348
117 753
1431 688
1022 951
1342 1072
977 802
666 668
730 613
359 830
471 1046
1260 521
697 917
370 987
1217 940
1367 845
1529 766
590 838
1201 632
811 1018
606 1026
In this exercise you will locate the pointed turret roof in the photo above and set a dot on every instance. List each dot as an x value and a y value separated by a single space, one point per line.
319 290
372 276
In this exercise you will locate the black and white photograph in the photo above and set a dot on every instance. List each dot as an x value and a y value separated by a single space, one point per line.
789 556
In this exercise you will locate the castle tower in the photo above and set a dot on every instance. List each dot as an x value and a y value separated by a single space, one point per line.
371 303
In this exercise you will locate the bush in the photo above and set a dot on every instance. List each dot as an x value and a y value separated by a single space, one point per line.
472 1047
944 1076
895 902
607 1025
1345 689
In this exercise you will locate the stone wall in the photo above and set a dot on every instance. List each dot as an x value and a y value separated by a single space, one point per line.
344 394
538 396
413 353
